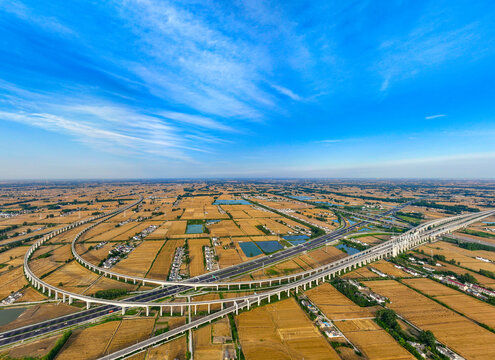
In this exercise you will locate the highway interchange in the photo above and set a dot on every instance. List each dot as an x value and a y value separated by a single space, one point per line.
62 322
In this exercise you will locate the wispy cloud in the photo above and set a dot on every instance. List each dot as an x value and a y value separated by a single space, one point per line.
287 92
434 116
428 45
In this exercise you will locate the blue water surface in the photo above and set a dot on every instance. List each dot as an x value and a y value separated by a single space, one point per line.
231 202
299 197
249 249
194 229
350 250
269 246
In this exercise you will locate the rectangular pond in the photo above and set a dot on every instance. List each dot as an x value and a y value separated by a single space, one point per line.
348 249
9 315
250 249
300 197
194 229
269 246
209 222
231 202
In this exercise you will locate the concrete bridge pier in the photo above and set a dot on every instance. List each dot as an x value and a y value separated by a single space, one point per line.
70 300
209 308
123 310
88 305
147 311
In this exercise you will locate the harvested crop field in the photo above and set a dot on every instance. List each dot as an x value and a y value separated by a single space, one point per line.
361 273
228 257
177 229
462 335
10 280
281 331
465 257
388 268
175 349
163 261
335 305
89 343
129 332
35 349
374 342
196 266
225 228
204 349
104 283
72 277
472 308
139 260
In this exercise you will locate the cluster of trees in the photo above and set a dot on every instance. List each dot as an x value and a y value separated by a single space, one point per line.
387 319
263 229
450 209
110 293
352 293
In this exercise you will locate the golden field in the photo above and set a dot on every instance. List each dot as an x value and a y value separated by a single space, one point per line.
460 334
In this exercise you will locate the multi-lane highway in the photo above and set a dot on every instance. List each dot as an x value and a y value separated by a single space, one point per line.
97 312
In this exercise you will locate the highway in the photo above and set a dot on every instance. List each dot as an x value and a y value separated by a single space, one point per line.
59 323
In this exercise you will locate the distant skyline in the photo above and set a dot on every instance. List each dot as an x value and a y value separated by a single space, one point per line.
174 89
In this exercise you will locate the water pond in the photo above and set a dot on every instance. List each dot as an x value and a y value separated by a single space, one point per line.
194 229
231 202
348 249
9 315
301 197
269 246
249 249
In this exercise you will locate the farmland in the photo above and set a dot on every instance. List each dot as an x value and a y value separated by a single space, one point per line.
281 331
462 335
241 221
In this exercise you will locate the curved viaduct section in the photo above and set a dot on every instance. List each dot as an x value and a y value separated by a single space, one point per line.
404 242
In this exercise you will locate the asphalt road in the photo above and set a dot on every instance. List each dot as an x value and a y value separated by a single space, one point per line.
48 326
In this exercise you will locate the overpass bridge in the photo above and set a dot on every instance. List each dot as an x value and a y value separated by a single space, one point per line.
413 238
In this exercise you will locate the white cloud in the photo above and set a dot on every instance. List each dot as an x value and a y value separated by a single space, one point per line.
287 92
434 116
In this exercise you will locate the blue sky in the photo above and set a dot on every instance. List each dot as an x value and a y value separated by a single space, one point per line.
142 88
